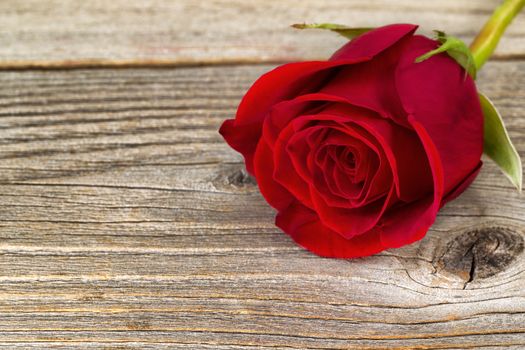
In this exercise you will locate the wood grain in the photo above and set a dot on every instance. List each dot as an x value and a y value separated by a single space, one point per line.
127 223
55 33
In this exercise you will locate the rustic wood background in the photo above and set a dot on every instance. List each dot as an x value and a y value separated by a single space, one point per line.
127 223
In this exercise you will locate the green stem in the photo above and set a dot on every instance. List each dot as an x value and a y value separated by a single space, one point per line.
487 40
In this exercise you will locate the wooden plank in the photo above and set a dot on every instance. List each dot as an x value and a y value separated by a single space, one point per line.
125 221
166 32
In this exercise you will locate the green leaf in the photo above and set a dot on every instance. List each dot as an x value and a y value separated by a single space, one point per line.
455 48
497 144
347 32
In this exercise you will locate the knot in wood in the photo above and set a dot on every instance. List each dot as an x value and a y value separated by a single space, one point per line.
241 178
480 253
235 177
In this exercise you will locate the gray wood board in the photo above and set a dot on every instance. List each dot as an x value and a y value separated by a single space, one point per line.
166 32
126 222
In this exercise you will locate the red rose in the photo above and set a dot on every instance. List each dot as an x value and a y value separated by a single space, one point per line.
358 153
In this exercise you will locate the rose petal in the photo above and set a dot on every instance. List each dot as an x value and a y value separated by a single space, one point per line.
303 225
439 95
371 84
374 42
285 172
409 223
351 222
237 136
463 185
276 195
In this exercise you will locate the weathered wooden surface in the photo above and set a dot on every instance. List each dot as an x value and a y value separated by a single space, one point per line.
164 32
127 223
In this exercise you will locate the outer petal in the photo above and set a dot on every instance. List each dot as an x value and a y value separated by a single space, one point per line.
285 172
409 223
462 186
353 222
276 195
374 42
440 97
371 84
243 139
303 225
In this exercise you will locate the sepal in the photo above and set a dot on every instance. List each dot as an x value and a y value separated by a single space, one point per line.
497 144
347 32
455 48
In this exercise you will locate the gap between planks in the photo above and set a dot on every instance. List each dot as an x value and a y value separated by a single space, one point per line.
170 64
